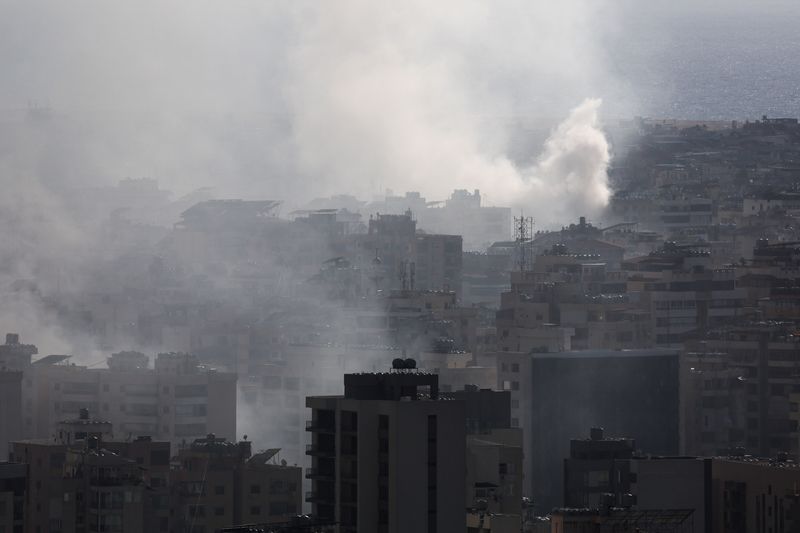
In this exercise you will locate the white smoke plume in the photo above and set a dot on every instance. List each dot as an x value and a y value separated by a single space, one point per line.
570 176
287 100
294 98
410 99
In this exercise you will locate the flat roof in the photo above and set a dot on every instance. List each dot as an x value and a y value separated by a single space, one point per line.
599 354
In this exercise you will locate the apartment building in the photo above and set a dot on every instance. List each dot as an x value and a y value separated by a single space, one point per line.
388 455
13 484
90 485
682 293
438 263
596 467
177 400
747 397
11 416
575 293
220 483
494 454
727 494
400 257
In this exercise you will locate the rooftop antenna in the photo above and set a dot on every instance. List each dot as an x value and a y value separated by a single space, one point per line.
523 233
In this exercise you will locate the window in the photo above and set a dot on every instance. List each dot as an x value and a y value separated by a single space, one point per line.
515 403
190 430
219 490
277 508
597 478
191 391
143 409
255 510
190 410
515 422
515 367
219 511
272 382
255 489
515 385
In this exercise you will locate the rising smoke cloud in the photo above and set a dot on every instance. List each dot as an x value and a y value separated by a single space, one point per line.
571 174
291 99
286 100
419 98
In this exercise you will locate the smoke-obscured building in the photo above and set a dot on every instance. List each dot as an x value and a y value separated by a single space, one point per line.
178 400
221 483
399 256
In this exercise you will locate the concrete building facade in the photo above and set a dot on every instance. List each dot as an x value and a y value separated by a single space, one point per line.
388 456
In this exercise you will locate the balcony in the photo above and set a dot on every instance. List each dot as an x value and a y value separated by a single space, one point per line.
349 452
316 473
316 451
317 497
319 427
351 476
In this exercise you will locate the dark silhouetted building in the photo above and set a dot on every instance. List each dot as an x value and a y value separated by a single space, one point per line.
598 467
631 392
389 455
13 484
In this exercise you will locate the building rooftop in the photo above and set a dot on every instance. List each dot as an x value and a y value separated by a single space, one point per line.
600 354
406 383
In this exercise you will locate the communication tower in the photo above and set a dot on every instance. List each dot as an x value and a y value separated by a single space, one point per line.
523 235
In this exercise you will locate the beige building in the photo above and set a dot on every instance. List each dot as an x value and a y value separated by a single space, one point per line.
683 293
177 401
745 376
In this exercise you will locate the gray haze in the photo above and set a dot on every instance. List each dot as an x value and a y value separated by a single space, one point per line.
348 97
292 100
269 99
